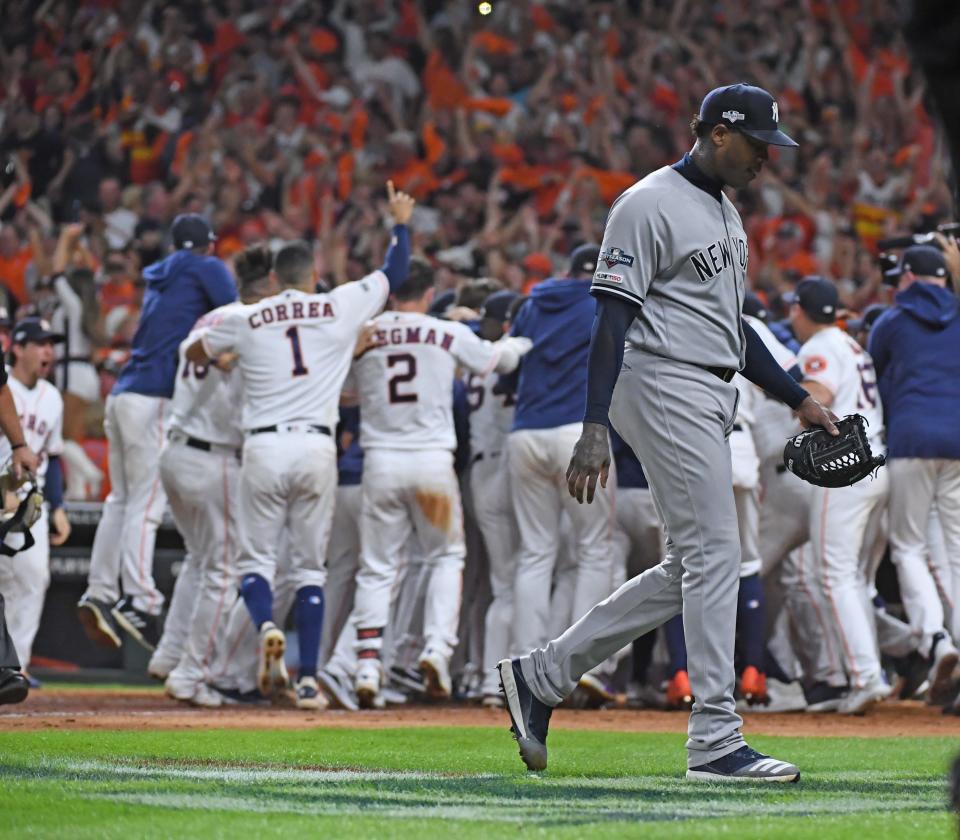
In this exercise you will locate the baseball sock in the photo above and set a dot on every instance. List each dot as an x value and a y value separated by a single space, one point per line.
256 594
750 618
642 654
309 617
676 644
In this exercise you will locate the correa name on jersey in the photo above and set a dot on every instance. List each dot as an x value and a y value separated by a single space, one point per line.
414 335
294 311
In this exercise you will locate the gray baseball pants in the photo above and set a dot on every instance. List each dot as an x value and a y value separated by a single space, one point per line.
676 417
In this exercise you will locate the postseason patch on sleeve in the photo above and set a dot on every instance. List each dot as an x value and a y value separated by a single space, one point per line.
616 256
606 277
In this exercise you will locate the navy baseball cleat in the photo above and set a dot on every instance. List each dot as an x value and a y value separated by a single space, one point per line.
530 717
745 765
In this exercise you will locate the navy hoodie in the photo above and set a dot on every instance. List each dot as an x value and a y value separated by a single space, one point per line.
558 318
180 289
915 347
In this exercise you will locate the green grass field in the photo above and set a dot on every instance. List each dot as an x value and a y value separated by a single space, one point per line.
455 782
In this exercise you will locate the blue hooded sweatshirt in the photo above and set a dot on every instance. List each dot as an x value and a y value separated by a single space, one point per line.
180 289
557 317
915 347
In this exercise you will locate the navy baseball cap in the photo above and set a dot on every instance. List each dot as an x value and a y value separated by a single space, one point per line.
584 260
752 305
748 109
442 302
817 297
922 260
867 319
191 230
34 329
497 305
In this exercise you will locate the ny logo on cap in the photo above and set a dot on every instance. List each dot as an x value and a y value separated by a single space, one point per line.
732 116
776 113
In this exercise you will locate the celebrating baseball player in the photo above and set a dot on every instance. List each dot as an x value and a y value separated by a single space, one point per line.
670 281
409 484
293 351
25 577
200 470
180 288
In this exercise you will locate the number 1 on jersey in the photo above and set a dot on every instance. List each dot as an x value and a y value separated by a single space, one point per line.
299 368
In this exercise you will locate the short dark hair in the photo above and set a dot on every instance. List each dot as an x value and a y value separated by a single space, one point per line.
252 264
473 293
294 263
699 128
420 279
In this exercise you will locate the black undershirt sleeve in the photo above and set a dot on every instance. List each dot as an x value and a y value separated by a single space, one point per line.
762 370
610 324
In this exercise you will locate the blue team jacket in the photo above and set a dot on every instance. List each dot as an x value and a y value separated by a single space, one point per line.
915 347
552 389
180 289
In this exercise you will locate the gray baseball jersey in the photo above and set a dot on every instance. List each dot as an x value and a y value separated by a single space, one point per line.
676 251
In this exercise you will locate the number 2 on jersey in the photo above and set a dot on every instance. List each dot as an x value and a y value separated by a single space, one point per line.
299 369
398 379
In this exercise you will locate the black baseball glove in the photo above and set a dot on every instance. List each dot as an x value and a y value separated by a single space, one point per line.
820 458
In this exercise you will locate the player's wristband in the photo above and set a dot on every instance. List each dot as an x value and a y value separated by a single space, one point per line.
17 446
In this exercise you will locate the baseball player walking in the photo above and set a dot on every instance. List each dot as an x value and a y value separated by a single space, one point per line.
671 281
914 347
293 351
200 470
24 580
409 484
180 288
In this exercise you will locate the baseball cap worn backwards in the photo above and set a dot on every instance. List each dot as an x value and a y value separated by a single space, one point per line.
748 109
922 260
818 298
584 260
34 329
191 230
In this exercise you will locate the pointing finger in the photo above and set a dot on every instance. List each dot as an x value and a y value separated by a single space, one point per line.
391 193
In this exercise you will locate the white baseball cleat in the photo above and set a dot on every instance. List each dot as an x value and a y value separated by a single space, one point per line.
858 700
367 683
436 675
309 695
272 674
206 697
943 660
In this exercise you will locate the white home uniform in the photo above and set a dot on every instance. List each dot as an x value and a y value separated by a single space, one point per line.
25 576
841 517
491 418
200 471
294 353
406 425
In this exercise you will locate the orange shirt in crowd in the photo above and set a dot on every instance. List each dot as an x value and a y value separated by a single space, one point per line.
13 272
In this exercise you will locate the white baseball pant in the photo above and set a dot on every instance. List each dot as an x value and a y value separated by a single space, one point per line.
124 543
839 519
343 561
288 483
490 485
24 579
202 490
538 463
918 485
403 493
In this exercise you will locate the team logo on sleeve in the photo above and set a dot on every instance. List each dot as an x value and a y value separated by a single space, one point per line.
615 256
815 364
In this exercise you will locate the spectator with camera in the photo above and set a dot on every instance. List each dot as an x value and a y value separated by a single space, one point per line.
914 347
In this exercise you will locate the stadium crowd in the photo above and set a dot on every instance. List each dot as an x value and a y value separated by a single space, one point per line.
513 130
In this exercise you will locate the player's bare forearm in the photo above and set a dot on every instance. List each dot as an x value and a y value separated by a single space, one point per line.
196 354
590 462
23 456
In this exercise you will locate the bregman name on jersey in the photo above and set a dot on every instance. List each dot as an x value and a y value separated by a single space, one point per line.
414 335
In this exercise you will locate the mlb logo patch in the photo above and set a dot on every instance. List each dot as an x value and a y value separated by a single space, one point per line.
615 256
